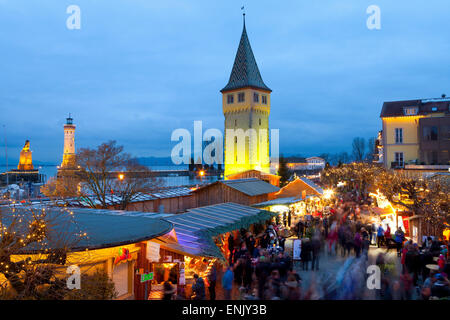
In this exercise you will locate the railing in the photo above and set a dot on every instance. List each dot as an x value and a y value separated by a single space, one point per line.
397 165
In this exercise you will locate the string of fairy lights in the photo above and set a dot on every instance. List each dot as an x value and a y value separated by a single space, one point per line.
28 231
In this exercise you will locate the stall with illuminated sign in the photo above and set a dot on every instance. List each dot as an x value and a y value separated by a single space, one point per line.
387 214
299 198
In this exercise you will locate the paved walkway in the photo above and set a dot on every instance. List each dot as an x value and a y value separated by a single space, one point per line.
331 264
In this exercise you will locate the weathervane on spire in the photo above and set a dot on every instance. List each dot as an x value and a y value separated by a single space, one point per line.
243 14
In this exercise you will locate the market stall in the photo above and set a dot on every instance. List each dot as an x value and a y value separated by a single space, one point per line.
201 237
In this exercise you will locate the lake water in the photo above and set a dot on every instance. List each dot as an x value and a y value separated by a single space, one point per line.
50 171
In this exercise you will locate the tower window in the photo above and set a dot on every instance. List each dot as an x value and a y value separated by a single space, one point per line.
255 97
264 99
235 122
259 121
241 97
230 98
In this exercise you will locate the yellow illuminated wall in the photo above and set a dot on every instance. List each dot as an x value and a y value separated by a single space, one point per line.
250 154
410 144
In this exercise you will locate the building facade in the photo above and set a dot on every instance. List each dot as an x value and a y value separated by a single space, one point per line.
416 132
246 107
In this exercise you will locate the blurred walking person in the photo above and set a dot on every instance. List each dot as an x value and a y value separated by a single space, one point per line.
380 236
315 246
227 282
305 254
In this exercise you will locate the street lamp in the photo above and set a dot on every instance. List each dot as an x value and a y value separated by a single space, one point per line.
121 176
201 173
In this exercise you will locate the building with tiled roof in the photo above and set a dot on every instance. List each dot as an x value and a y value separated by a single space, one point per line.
416 132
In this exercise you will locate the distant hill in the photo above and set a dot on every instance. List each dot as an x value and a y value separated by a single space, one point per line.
13 162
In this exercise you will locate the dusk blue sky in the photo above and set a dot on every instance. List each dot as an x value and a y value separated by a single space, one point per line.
137 70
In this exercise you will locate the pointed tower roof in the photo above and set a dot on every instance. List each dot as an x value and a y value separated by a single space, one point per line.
245 71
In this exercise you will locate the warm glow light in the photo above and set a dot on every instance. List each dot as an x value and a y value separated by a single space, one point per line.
201 173
279 208
121 176
327 194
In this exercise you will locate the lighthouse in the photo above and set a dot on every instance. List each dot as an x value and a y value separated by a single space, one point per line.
69 145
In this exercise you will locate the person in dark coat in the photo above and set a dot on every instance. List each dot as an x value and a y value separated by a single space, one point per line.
357 242
281 242
198 288
348 240
248 273
239 272
315 246
325 223
289 218
250 243
212 278
305 254
231 247
262 273
169 290
265 240
300 229
236 254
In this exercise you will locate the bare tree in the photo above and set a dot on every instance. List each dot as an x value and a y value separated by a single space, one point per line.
370 149
64 187
359 149
107 171
34 231
343 157
283 171
357 176
35 246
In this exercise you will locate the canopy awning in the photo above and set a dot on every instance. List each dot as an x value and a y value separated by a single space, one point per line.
280 201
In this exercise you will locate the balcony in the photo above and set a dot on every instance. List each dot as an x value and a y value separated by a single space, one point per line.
397 165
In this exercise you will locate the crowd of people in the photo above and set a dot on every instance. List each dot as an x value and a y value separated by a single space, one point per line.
260 268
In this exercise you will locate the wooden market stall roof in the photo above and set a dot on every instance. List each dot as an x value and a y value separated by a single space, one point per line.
270 178
297 187
163 193
103 228
248 186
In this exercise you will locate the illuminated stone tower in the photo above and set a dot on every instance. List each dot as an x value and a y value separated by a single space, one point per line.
246 106
69 145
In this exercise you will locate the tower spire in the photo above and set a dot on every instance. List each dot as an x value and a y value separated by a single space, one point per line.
245 72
